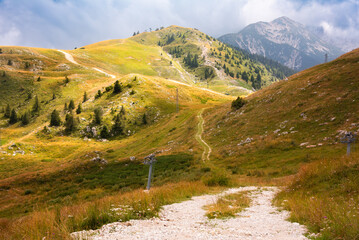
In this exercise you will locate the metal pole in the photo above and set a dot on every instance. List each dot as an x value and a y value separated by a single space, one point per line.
149 177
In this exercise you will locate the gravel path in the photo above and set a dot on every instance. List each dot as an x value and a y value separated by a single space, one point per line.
186 220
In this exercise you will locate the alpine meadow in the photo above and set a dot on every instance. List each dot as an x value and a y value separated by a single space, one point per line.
243 146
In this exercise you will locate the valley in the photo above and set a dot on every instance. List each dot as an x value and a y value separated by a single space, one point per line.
75 126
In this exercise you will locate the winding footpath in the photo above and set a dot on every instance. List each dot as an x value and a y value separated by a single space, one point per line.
206 148
71 59
187 220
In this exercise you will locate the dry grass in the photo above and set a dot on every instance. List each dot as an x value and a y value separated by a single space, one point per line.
228 206
58 223
324 196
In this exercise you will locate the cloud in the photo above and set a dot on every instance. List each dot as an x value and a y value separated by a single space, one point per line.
73 23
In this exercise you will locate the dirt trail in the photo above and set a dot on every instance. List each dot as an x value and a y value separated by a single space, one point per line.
186 220
206 148
70 58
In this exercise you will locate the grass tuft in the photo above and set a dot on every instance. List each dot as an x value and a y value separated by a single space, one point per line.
228 206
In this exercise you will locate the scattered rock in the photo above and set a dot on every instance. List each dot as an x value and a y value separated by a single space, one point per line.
303 144
303 116
100 160
276 131
311 146
132 158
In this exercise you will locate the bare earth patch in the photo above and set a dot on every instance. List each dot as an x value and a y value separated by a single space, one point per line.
187 220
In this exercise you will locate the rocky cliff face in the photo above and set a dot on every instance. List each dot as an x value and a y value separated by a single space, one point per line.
285 41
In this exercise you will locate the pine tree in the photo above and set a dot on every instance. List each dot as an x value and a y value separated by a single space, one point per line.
85 97
194 62
65 107
117 128
36 106
104 132
117 88
55 118
25 118
144 119
245 76
99 94
70 124
13 117
7 111
71 105
67 80
53 96
122 112
79 109
98 115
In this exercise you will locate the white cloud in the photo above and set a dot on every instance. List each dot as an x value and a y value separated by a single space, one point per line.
70 23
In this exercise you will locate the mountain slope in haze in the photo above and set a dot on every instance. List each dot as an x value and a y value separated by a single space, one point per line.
285 41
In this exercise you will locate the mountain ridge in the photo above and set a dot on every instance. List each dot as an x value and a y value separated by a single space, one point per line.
281 38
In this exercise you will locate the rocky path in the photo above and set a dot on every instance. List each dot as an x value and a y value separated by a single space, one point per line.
206 148
186 220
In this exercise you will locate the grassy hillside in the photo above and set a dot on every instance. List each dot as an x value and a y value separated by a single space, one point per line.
293 128
324 196
289 122
222 67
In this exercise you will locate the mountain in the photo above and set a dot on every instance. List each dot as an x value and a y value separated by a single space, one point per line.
285 41
165 92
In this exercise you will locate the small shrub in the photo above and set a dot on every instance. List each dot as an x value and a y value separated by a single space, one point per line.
238 103
28 191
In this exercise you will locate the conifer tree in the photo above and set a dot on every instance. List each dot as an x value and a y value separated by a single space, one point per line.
7 111
245 76
144 119
122 112
98 115
53 96
117 128
71 105
70 124
36 106
25 118
85 97
117 88
104 132
65 107
13 117
55 118
79 109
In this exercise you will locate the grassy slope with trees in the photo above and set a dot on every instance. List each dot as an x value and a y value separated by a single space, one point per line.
296 125
55 176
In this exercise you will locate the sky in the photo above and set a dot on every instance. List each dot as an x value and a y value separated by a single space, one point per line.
65 24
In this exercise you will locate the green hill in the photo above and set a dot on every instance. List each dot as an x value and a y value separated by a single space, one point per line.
130 111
